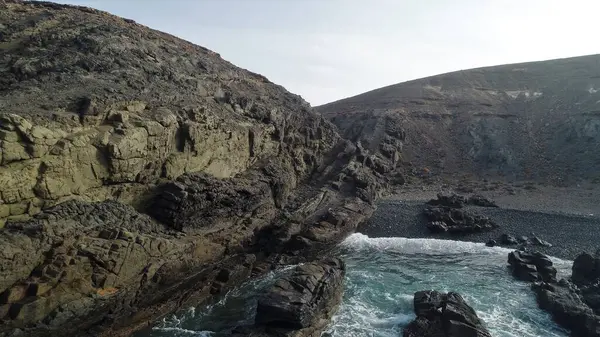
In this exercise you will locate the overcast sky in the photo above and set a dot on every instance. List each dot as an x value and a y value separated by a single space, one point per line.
326 50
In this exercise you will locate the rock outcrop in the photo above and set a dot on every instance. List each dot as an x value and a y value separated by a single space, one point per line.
444 315
119 108
301 304
536 120
573 303
446 214
140 172
456 221
531 266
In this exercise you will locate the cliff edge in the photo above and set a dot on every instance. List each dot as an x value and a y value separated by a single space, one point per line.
140 172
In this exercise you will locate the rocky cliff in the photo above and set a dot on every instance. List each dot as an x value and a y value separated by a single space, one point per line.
538 120
140 172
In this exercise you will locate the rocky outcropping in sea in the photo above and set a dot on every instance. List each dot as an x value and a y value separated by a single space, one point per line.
300 304
140 172
441 314
573 303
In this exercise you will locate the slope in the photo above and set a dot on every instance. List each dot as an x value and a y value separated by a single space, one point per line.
537 120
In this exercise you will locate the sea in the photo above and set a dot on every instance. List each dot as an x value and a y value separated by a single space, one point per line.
382 276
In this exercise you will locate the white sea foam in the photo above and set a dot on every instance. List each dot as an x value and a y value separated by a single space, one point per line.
181 331
358 241
420 246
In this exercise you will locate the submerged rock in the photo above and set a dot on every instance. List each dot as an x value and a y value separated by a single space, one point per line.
448 315
299 304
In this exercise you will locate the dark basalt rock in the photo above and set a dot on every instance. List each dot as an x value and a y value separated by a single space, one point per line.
299 304
448 315
573 304
456 221
491 243
586 269
531 266
507 239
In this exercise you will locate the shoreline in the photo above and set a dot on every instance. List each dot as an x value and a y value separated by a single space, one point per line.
567 228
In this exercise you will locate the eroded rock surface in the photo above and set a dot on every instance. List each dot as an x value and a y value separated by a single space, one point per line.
456 221
572 303
119 108
225 174
300 304
444 315
531 266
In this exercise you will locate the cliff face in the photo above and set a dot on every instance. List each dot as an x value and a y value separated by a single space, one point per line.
538 120
140 172
96 107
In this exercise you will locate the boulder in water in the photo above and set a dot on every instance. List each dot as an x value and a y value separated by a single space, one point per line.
586 269
491 243
440 314
574 305
301 303
564 302
456 221
531 266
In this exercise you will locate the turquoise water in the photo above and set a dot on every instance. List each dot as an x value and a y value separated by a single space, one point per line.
382 276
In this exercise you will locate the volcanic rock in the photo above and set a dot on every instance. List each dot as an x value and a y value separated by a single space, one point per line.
531 266
440 314
301 303
456 221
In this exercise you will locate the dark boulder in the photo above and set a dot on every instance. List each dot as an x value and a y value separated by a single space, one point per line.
301 303
531 266
480 200
491 243
586 269
508 240
565 305
456 221
574 306
448 315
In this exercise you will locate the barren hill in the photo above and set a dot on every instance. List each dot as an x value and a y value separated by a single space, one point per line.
537 120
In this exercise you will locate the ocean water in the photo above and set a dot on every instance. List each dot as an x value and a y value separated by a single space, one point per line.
382 276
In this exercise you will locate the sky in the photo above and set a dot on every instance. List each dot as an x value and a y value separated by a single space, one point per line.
325 50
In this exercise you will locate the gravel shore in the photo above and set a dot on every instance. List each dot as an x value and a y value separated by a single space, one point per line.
569 232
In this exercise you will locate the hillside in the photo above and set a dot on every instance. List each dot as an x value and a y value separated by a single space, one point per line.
140 173
537 120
